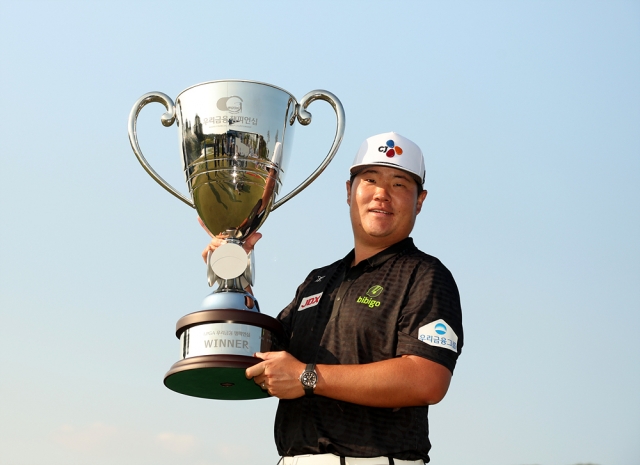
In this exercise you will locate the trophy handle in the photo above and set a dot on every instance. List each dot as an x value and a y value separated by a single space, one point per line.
167 120
304 118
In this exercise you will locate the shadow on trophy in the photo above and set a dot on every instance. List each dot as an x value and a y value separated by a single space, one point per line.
235 138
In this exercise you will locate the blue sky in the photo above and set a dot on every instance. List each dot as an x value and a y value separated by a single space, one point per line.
529 117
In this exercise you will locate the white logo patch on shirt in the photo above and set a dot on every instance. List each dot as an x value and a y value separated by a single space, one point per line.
310 301
439 334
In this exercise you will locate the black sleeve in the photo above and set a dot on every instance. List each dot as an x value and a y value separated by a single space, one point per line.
286 315
430 322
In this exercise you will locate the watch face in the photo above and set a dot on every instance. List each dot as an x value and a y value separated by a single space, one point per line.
309 378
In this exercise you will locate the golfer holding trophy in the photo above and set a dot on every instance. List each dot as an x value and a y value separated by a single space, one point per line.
236 141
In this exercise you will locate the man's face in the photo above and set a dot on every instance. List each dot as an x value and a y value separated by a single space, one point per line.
383 205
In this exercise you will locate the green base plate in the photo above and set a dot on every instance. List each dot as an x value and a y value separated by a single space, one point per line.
214 377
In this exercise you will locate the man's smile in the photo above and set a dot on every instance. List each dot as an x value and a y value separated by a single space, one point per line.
378 210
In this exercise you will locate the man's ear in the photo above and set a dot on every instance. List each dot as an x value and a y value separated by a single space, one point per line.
421 196
348 192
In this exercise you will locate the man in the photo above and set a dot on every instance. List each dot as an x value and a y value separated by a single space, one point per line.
374 337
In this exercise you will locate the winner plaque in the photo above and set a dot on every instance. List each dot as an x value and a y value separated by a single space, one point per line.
235 138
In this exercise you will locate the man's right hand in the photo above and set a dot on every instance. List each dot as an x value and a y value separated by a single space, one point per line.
217 241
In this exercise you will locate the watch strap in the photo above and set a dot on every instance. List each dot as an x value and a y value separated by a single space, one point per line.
308 390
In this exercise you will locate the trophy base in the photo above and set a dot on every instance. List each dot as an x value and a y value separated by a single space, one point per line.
214 377
217 346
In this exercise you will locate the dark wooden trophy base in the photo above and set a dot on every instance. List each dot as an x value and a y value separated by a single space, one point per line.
222 375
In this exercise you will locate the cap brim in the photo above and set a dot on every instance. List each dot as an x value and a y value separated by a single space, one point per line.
355 169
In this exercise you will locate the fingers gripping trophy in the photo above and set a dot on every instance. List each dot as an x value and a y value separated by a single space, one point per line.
235 138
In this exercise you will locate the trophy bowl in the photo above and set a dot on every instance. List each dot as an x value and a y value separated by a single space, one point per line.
235 140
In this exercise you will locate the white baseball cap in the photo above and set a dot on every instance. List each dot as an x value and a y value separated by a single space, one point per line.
392 150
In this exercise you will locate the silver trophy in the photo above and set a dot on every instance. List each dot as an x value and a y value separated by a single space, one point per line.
235 138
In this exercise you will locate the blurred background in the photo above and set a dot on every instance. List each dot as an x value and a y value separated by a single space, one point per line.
528 113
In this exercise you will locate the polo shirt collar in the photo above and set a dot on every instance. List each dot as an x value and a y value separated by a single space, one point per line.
380 257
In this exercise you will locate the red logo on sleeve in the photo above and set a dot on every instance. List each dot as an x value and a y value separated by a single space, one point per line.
310 301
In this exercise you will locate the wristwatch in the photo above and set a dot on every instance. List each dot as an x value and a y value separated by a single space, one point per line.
309 379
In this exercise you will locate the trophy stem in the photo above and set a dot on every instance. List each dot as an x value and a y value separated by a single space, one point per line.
231 267
230 285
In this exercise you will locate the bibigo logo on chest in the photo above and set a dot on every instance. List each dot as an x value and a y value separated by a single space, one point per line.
369 299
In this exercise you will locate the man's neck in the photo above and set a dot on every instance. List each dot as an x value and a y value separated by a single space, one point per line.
365 251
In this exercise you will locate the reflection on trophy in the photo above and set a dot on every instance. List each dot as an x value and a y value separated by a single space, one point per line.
235 138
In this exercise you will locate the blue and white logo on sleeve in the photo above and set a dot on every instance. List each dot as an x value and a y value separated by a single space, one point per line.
439 334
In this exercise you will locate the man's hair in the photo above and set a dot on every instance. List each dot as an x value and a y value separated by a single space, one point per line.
420 188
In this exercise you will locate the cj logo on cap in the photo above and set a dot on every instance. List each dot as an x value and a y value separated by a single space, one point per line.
391 149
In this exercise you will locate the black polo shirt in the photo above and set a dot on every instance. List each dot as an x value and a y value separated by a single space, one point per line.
398 302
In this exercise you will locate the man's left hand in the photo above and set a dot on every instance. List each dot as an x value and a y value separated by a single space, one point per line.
280 373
